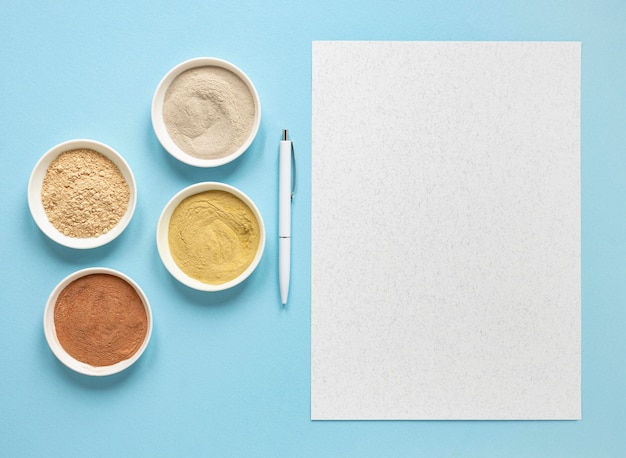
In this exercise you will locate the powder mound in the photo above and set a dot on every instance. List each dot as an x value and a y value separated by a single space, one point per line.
213 236
209 112
84 194
100 319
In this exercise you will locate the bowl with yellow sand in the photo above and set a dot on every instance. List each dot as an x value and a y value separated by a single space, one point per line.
210 236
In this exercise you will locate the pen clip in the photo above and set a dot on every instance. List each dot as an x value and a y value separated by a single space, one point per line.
293 181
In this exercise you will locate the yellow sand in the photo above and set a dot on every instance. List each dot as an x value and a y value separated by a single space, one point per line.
213 236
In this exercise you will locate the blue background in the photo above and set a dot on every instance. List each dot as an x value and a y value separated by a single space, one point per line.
228 374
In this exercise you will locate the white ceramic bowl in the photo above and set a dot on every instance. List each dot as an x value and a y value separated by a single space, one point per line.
36 206
51 335
158 123
163 242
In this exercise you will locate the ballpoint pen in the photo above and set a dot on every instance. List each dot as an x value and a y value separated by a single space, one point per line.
286 189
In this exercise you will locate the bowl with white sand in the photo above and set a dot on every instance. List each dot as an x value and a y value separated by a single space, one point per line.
206 112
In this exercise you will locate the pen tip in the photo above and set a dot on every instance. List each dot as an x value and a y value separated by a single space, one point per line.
285 135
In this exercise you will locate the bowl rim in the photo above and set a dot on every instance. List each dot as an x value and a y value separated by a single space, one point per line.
59 351
158 125
163 229
35 204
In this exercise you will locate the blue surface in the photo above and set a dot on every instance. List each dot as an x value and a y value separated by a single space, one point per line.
228 374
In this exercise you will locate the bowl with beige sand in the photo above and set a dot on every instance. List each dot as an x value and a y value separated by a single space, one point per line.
82 194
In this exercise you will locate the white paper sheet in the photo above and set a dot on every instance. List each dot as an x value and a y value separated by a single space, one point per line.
446 230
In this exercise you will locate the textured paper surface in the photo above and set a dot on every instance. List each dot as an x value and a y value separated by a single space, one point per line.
446 230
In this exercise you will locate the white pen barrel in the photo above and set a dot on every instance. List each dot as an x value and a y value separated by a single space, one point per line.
284 190
284 267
